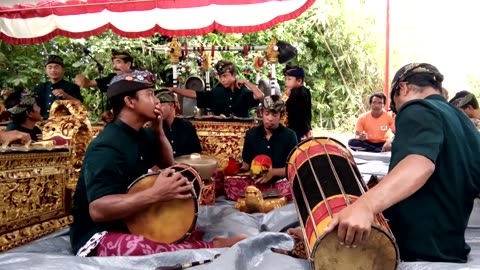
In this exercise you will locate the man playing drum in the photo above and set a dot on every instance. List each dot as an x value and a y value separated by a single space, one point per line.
121 153
231 96
434 175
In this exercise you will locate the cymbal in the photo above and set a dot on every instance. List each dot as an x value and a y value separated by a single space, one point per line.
205 165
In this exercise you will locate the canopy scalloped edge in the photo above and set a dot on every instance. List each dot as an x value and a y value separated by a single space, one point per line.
141 22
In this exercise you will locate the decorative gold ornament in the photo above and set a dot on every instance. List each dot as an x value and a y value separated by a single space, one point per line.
175 51
255 203
272 51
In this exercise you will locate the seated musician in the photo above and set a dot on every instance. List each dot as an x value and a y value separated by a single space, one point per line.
433 180
271 139
374 129
25 113
181 134
121 153
231 96
468 103
56 87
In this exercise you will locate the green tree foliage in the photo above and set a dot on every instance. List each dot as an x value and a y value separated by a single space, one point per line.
337 50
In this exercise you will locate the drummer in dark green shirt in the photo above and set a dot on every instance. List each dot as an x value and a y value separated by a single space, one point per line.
231 97
434 173
56 88
181 134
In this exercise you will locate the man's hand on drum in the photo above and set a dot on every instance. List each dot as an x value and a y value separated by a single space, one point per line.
354 223
171 185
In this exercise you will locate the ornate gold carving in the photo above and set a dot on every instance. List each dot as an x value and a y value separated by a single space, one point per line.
272 51
255 203
222 140
69 122
33 190
175 51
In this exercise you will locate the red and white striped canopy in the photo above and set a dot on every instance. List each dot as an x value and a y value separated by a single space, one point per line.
33 21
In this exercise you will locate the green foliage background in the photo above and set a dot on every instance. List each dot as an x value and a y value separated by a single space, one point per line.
337 48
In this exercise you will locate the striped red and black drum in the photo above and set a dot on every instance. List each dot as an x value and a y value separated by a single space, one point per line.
325 179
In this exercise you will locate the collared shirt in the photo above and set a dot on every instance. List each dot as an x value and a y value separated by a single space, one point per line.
32 132
299 111
224 101
430 224
278 147
183 137
104 82
113 160
45 97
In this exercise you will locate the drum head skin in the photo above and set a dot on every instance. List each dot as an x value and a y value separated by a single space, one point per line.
379 252
164 222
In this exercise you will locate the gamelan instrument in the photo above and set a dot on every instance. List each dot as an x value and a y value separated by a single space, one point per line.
165 222
325 180
204 185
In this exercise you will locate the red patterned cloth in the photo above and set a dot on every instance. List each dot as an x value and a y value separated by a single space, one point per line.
124 244
236 185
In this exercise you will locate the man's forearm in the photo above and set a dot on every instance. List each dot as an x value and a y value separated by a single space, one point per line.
410 174
257 93
279 172
185 92
119 206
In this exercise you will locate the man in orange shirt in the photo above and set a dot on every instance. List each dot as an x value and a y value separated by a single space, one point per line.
374 130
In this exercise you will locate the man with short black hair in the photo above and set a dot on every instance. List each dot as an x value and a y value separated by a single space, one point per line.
56 88
231 97
374 129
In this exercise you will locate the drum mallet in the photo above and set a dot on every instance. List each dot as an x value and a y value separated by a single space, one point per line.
186 265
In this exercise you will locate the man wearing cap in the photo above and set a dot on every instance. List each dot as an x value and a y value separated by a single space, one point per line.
56 88
270 138
231 97
468 103
433 179
25 113
181 134
121 153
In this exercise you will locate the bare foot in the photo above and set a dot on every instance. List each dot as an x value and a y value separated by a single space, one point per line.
223 242
295 232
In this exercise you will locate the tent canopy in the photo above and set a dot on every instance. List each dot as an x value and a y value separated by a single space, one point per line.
34 21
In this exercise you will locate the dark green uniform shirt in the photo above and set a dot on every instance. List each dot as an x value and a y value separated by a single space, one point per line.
299 111
114 159
45 97
430 225
183 137
227 102
32 132
278 147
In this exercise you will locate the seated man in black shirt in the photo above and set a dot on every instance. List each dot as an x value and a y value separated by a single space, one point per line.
25 113
231 97
56 88
270 138
181 134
